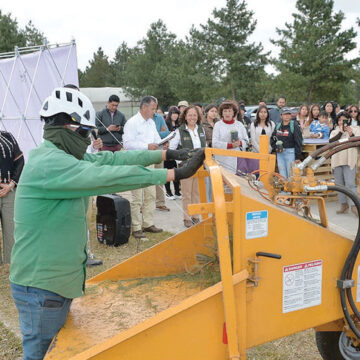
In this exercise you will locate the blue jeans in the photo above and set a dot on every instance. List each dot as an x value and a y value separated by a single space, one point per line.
42 313
284 160
345 176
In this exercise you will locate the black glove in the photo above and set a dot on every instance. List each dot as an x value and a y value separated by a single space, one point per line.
191 166
182 154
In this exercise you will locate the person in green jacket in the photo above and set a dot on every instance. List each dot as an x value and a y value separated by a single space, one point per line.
49 255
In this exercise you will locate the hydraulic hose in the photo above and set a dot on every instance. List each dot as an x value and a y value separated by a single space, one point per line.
345 146
317 152
324 148
348 268
330 153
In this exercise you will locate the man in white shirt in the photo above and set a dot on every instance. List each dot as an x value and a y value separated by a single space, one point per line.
140 134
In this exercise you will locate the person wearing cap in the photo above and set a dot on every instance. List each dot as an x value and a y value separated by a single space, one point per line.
49 255
182 105
275 112
286 140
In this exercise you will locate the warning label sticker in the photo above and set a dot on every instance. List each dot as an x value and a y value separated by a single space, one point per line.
302 285
256 224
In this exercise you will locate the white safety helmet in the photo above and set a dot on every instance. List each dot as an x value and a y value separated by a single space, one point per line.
71 102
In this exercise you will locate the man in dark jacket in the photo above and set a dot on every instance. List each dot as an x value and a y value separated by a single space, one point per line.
110 123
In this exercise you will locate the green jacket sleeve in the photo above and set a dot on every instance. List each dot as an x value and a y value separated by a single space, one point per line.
132 157
57 175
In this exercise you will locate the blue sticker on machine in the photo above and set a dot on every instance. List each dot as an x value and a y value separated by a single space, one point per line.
256 224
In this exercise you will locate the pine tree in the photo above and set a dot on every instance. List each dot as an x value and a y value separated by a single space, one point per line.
32 35
119 65
240 64
312 61
11 35
98 73
148 67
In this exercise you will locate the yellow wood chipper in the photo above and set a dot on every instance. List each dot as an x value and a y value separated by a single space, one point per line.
281 272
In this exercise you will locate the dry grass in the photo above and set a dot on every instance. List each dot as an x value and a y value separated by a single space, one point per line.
298 346
10 344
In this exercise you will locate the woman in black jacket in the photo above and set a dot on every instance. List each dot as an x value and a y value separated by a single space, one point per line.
172 122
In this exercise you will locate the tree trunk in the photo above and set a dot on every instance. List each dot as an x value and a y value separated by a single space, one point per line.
233 91
310 93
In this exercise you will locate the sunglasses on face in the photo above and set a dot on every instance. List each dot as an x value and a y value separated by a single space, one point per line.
353 111
82 130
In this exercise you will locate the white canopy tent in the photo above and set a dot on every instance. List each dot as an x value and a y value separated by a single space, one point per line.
27 76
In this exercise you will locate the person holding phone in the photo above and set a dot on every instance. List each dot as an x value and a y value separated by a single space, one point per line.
344 162
110 124
229 133
286 140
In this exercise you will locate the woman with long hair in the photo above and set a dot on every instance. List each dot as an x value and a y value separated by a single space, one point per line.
261 126
354 112
313 113
344 162
313 116
329 107
172 122
190 135
211 117
209 121
302 116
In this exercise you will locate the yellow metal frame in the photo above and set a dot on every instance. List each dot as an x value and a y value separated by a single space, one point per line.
248 298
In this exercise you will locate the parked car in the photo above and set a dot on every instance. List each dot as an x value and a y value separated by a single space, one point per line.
294 111
252 110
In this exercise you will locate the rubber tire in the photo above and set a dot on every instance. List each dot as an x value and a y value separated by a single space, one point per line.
328 344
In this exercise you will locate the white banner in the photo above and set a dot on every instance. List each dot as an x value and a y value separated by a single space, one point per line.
25 81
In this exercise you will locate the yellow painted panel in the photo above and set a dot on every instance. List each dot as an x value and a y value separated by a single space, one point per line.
297 241
171 256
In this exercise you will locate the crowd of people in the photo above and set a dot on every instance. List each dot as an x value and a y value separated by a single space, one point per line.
226 127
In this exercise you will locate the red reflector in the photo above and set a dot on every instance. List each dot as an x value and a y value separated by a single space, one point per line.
225 339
